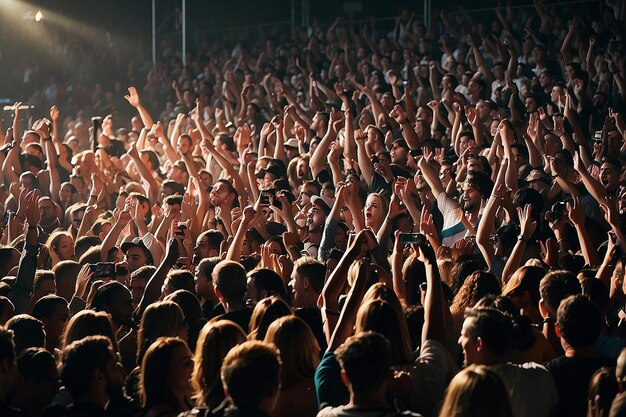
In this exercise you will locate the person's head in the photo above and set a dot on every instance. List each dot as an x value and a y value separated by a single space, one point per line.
375 210
166 371
229 281
380 316
138 281
65 273
47 210
8 368
477 186
208 245
53 312
523 286
475 287
610 172
299 350
476 391
161 319
7 310
578 322
486 336
90 372
215 341
115 299
37 379
27 332
265 313
223 195
307 281
263 283
61 246
88 323
203 277
365 362
9 259
252 361
136 254
603 387
43 284
178 279
189 304
555 287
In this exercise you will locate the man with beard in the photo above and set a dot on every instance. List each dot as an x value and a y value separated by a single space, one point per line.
315 221
476 188
223 196
92 375
49 219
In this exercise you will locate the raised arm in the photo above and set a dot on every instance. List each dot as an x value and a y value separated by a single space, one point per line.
318 159
527 226
365 163
155 283
133 99
430 175
146 175
486 225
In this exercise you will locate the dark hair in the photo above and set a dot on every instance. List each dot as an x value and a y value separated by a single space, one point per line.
28 332
481 182
365 359
176 188
251 361
47 305
313 270
493 327
555 287
105 296
81 359
229 278
84 243
528 195
269 281
7 348
579 321
34 363
181 279
267 311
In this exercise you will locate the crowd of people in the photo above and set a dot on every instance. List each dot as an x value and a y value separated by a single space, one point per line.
348 222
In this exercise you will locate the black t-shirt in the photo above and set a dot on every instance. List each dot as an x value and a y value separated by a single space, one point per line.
241 317
571 376
313 317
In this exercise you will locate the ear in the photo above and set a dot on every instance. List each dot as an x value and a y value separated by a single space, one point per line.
217 292
344 378
542 309
557 330
263 295
479 344
305 282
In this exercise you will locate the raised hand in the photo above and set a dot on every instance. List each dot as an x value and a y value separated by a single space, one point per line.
527 224
398 114
133 97
54 113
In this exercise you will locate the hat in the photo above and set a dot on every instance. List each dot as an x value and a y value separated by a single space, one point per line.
273 168
292 143
538 175
325 203
138 242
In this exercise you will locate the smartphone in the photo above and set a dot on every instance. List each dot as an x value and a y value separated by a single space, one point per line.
265 196
182 225
102 270
5 218
412 238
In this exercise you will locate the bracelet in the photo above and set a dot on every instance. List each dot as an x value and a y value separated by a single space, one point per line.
521 238
48 138
93 196
32 227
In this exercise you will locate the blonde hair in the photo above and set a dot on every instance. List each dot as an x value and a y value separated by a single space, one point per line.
215 341
161 319
476 391
88 323
380 316
446 270
299 350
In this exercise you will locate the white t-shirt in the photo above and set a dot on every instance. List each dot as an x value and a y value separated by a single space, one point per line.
451 212
531 388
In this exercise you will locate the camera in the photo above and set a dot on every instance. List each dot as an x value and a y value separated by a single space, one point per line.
412 238
265 196
556 212
107 270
